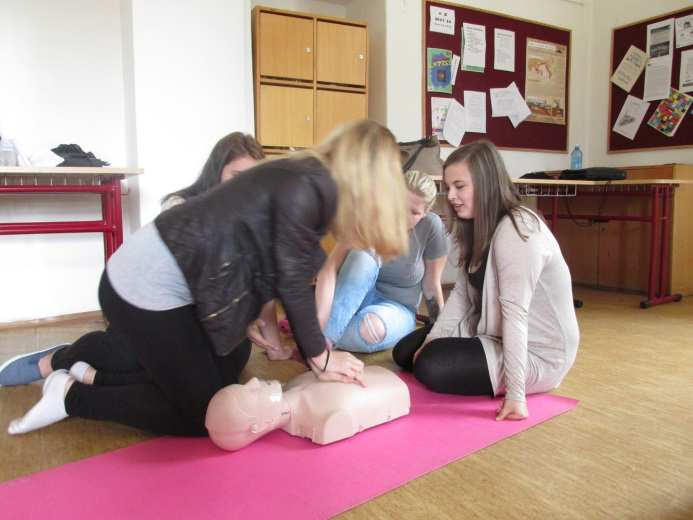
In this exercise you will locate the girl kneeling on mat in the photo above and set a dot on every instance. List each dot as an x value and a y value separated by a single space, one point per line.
509 326
181 292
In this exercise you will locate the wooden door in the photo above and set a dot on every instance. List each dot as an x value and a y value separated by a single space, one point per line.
336 108
341 53
286 46
286 116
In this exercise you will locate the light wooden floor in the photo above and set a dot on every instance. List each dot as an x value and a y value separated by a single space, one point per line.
626 452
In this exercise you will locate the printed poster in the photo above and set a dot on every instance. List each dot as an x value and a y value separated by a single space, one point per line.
439 68
545 79
670 112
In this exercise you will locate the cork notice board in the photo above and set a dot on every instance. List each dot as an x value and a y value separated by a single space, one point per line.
646 138
534 136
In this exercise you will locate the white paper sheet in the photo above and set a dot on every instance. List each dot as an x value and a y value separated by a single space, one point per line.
439 109
520 110
502 102
660 39
630 68
631 116
684 31
509 102
442 20
657 79
473 47
455 123
454 68
686 73
504 50
475 111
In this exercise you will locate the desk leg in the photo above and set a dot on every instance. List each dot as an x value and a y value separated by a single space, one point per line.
107 214
658 290
554 214
117 214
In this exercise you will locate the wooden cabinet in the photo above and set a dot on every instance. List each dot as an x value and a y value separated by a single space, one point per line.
286 48
341 56
311 75
334 108
616 254
287 118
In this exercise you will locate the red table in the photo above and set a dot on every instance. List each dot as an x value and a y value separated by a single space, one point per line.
104 182
659 191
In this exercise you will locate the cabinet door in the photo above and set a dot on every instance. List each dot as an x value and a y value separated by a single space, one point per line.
335 108
286 46
341 54
286 116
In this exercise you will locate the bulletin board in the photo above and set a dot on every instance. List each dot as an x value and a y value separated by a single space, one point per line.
534 136
646 137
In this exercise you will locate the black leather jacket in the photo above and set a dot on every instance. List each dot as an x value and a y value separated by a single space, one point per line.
251 239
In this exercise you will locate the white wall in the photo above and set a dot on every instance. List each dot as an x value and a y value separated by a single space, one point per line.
336 8
61 83
608 15
193 84
141 83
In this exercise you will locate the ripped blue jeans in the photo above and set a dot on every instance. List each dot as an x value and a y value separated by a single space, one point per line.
355 297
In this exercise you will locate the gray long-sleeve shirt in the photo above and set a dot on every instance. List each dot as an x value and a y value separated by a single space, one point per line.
525 317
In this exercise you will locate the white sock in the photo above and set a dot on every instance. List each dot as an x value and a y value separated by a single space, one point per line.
50 409
79 369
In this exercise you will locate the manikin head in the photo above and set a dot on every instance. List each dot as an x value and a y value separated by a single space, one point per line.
238 415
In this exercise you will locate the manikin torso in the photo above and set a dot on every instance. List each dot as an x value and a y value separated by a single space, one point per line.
323 411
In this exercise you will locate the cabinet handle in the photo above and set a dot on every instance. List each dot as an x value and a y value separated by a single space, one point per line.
308 49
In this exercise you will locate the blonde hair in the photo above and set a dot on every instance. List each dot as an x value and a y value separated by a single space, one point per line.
423 185
363 159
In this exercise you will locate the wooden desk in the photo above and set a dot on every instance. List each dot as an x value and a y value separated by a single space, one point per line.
657 211
102 181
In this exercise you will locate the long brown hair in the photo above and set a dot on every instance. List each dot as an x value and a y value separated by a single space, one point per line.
228 148
495 196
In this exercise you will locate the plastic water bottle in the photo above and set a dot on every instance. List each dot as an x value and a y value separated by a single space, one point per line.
576 158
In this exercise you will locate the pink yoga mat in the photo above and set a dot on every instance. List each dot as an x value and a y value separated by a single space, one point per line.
277 477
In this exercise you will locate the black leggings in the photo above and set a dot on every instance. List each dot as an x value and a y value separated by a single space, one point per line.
446 365
156 369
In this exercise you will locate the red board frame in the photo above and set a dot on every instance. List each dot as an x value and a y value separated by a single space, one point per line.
529 136
647 137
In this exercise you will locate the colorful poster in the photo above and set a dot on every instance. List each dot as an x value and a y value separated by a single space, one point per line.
439 67
667 118
545 81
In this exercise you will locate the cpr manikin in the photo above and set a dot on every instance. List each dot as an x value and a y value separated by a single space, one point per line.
323 411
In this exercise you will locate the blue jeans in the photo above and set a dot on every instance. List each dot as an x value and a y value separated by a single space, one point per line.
355 296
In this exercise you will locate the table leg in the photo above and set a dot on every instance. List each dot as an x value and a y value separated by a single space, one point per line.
107 215
118 214
658 290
